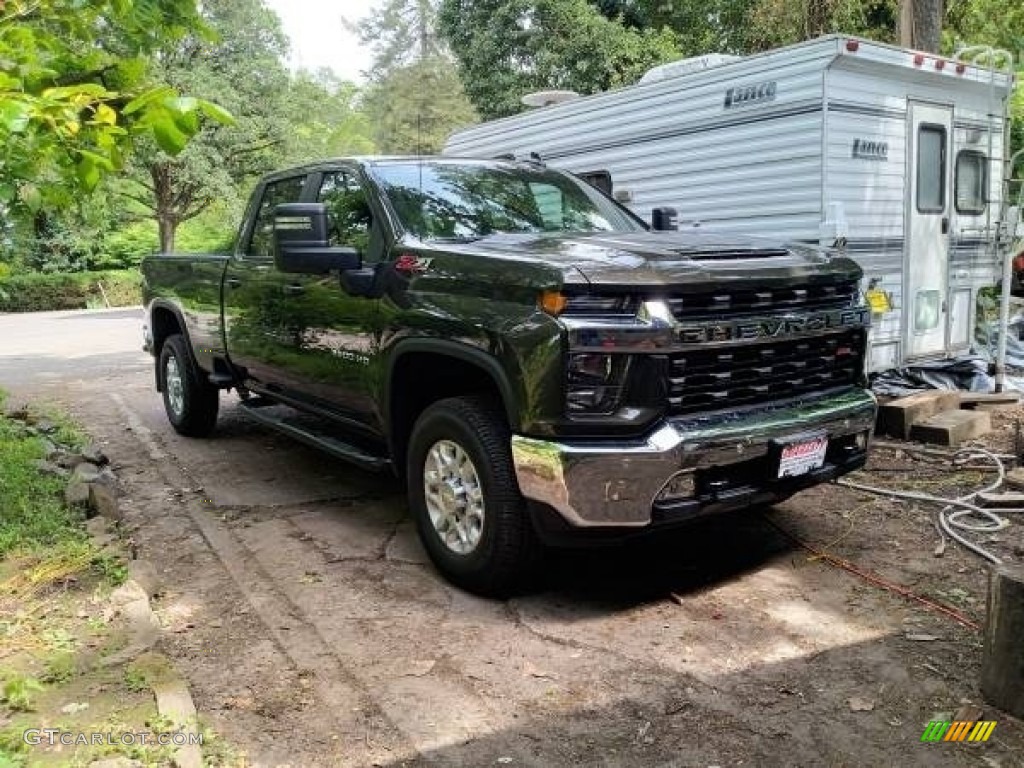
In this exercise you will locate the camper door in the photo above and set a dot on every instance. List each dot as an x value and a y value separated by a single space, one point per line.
926 267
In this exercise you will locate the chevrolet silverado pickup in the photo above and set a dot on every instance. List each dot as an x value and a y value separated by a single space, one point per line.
536 364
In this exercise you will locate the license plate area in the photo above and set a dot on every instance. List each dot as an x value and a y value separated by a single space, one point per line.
798 455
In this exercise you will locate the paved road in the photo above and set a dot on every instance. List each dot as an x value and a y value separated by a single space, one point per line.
300 606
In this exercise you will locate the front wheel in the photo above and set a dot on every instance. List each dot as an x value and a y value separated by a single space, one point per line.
191 402
463 494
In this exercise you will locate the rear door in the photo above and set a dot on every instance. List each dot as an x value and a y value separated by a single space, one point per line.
926 268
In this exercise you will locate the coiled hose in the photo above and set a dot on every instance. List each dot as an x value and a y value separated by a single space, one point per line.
958 514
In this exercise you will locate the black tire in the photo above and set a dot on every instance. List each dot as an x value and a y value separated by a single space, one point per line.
196 414
508 551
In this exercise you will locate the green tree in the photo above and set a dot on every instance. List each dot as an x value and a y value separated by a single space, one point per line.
507 48
328 118
415 98
241 66
73 94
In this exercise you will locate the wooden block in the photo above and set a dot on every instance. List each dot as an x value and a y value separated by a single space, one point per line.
1002 500
1015 479
968 399
1002 667
951 427
992 407
896 417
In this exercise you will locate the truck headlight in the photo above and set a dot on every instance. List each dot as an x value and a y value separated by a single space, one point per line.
595 383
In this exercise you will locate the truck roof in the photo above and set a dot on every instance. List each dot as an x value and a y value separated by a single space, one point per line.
375 160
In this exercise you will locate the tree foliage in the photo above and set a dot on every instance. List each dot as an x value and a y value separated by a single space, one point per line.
415 98
507 48
73 93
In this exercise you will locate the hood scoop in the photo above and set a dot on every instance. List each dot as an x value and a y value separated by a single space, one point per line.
730 253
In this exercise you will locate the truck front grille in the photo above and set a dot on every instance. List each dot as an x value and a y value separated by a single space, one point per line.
709 379
730 303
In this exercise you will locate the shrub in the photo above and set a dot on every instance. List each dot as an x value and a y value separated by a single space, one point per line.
38 292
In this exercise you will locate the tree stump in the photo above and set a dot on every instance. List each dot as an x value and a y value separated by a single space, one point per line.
1002 671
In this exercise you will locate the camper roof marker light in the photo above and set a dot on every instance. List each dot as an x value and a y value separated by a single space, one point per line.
918 59
939 64
852 45
961 68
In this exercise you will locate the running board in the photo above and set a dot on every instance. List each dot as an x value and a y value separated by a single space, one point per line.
331 445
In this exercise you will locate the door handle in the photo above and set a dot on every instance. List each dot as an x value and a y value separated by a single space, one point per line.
945 225
294 290
233 282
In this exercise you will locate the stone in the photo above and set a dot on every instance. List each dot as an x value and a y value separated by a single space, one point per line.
17 412
45 427
1015 479
143 573
896 417
49 468
76 493
94 455
90 473
952 428
70 460
103 501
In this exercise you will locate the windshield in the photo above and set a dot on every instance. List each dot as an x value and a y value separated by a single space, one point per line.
452 201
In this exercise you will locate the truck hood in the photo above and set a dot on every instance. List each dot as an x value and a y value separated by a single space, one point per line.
665 258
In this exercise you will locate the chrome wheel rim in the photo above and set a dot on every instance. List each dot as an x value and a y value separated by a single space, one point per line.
455 500
174 385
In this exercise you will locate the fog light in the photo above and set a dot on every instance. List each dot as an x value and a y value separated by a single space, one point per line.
680 486
861 441
595 383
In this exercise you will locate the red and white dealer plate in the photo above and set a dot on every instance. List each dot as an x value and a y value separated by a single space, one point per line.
801 457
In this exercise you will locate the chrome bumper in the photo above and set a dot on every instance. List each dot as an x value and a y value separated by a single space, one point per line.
615 483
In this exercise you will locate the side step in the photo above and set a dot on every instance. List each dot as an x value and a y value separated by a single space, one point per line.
327 443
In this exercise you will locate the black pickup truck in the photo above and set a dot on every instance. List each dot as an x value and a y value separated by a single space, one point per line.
536 363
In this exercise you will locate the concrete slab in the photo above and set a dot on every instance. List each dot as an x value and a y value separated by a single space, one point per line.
952 428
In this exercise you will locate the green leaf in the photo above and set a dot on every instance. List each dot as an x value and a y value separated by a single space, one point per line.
88 89
168 137
88 174
14 115
31 197
183 105
216 112
147 99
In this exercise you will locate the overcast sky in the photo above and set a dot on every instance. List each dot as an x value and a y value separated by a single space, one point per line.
318 37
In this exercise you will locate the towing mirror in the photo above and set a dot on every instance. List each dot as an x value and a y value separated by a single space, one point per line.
301 241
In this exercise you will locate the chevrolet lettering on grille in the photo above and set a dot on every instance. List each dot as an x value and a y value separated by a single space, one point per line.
774 327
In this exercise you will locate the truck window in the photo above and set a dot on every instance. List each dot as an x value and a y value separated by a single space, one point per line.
971 179
348 208
261 244
600 179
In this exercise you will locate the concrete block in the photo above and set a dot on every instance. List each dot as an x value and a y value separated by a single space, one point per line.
952 427
896 417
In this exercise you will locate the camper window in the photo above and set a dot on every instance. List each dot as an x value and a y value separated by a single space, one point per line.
600 179
931 169
971 178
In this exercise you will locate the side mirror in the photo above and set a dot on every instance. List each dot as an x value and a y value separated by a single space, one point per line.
665 219
301 241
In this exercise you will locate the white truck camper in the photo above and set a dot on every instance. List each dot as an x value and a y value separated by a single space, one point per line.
895 155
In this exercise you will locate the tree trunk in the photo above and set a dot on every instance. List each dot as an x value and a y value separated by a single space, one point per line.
920 24
168 225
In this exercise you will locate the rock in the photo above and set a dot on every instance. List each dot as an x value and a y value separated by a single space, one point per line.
103 501
860 704
45 427
90 473
116 762
70 460
107 478
17 412
127 593
94 455
48 468
77 492
143 573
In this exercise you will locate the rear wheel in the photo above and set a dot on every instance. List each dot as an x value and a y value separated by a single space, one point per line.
465 500
190 400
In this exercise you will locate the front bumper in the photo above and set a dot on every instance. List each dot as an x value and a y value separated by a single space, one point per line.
617 483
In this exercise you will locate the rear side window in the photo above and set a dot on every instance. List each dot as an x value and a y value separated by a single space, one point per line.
931 168
600 179
261 244
971 180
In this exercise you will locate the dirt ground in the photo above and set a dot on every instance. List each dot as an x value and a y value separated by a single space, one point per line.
299 605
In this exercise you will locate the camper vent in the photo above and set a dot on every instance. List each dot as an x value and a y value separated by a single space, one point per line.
753 301
705 379
686 66
721 254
